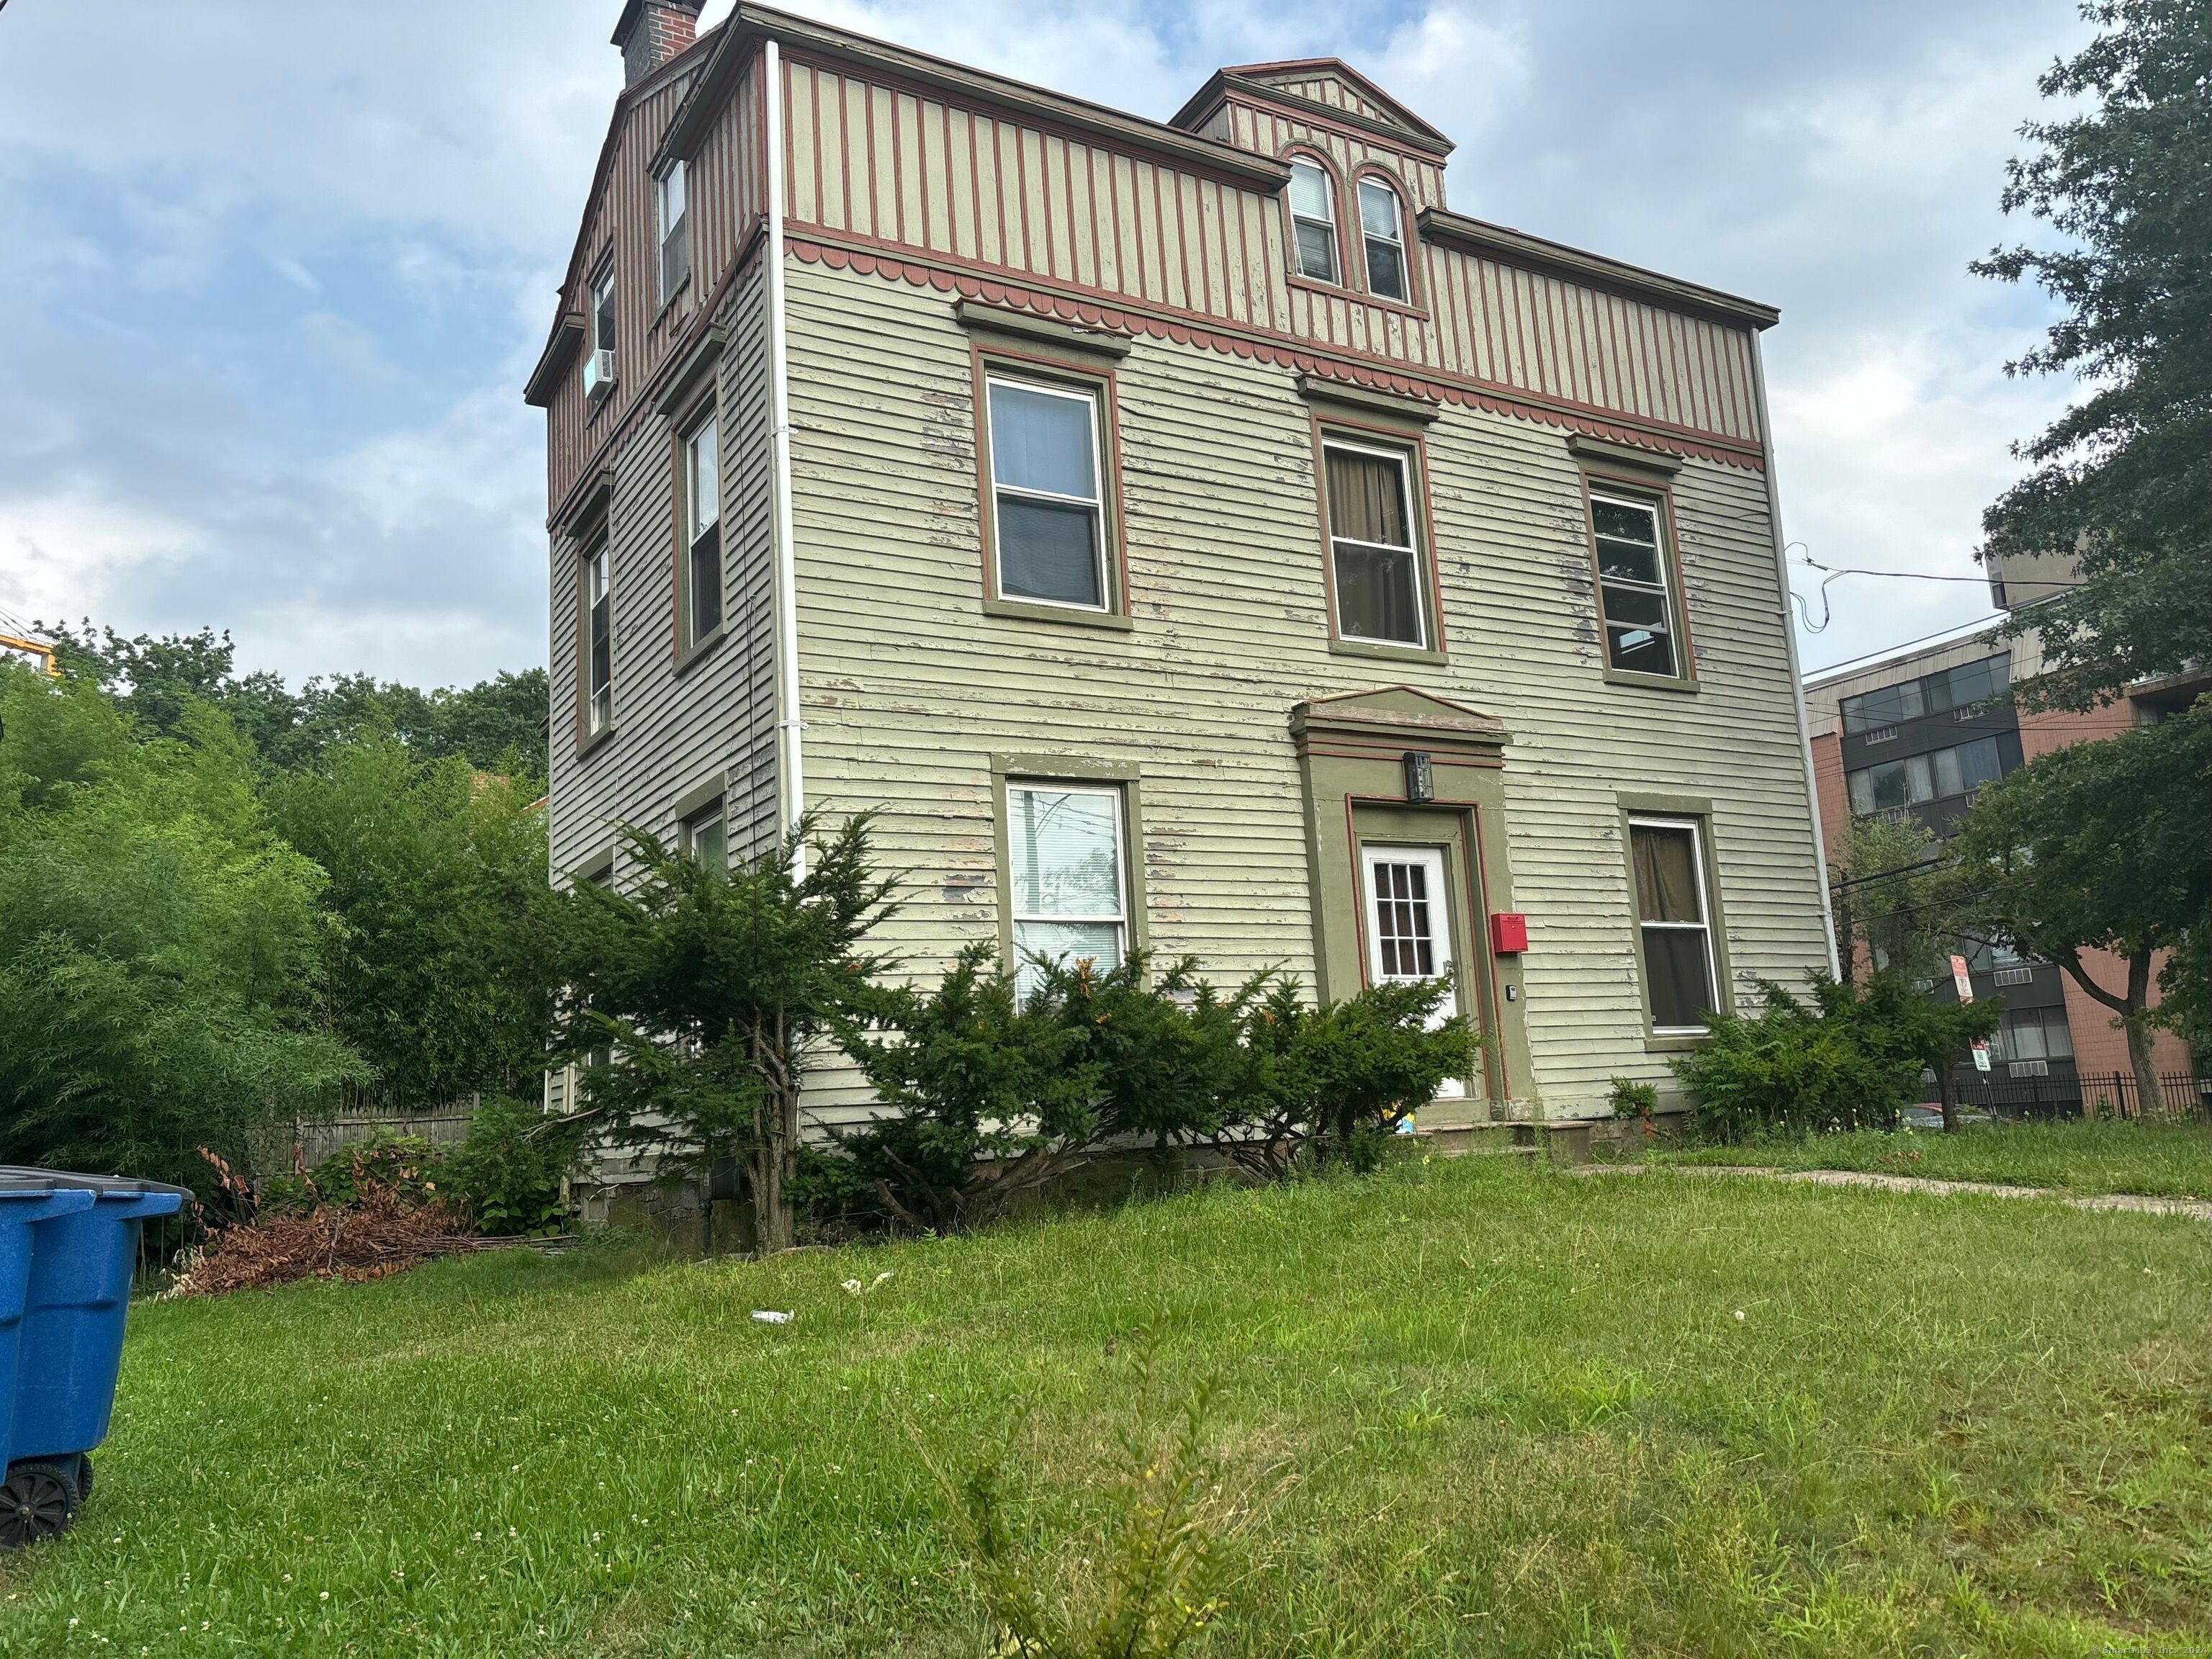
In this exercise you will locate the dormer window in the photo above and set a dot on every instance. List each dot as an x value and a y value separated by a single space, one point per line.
1313 221
1379 229
671 215
600 361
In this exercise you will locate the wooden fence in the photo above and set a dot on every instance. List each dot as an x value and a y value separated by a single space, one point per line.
357 1121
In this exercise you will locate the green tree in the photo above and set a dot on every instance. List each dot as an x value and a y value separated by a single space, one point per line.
1895 902
714 989
2121 478
160 947
441 968
497 724
2103 846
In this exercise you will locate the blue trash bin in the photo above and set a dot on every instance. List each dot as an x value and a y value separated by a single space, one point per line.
68 1245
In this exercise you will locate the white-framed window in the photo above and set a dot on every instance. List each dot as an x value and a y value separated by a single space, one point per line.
702 530
1064 863
599 640
705 836
671 216
1632 586
599 360
1047 500
1384 238
1674 918
1313 221
603 308
1375 563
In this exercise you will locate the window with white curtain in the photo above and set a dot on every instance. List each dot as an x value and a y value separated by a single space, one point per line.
1384 237
1313 221
1069 897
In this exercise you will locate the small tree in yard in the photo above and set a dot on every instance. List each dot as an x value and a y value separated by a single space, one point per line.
1849 1059
1894 901
997 1094
2103 846
712 989
990 1101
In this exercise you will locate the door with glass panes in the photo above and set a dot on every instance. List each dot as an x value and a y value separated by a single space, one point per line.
1406 895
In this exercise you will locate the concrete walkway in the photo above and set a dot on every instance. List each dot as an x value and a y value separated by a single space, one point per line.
2196 1208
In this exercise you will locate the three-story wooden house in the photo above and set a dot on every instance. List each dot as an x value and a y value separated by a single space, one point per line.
1189 535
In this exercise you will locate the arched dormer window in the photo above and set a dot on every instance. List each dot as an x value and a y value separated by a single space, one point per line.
1382 240
1313 220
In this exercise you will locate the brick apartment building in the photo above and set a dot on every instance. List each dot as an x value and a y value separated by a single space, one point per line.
1918 732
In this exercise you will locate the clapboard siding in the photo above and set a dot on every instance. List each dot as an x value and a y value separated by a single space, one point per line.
905 194
676 731
908 688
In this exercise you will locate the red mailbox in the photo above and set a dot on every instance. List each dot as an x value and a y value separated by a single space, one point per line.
1509 933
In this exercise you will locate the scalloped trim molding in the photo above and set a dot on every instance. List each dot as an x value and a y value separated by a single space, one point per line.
1087 313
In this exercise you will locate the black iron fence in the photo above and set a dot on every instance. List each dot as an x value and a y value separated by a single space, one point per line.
2110 1095
2180 1095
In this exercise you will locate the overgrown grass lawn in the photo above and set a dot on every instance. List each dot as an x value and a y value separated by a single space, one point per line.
2161 1160
1498 1409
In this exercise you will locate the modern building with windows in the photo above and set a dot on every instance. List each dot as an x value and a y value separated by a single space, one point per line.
1918 732
1189 535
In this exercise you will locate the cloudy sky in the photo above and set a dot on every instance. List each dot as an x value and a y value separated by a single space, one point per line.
274 270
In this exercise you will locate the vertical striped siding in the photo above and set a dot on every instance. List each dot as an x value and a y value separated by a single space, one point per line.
910 171
725 202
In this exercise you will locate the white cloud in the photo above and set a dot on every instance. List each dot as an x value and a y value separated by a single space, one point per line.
336 463
69 554
1457 71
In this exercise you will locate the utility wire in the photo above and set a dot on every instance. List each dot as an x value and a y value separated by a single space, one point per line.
1830 574
1959 628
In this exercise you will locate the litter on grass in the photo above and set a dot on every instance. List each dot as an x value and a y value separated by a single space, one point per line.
771 1316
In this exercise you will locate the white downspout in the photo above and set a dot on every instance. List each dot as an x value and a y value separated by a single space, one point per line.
789 727
1790 640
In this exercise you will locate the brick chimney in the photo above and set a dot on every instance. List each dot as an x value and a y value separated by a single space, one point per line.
651 33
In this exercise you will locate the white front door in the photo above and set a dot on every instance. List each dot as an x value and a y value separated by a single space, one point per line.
1408 927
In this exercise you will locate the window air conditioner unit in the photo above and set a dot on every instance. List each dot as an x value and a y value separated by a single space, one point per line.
2030 1068
599 373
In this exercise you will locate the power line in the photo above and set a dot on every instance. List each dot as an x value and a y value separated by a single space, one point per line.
1959 628
1930 576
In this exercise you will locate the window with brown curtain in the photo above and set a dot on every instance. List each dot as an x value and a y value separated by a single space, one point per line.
1673 918
1371 533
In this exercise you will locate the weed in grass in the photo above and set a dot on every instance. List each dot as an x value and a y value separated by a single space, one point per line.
1146 1580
